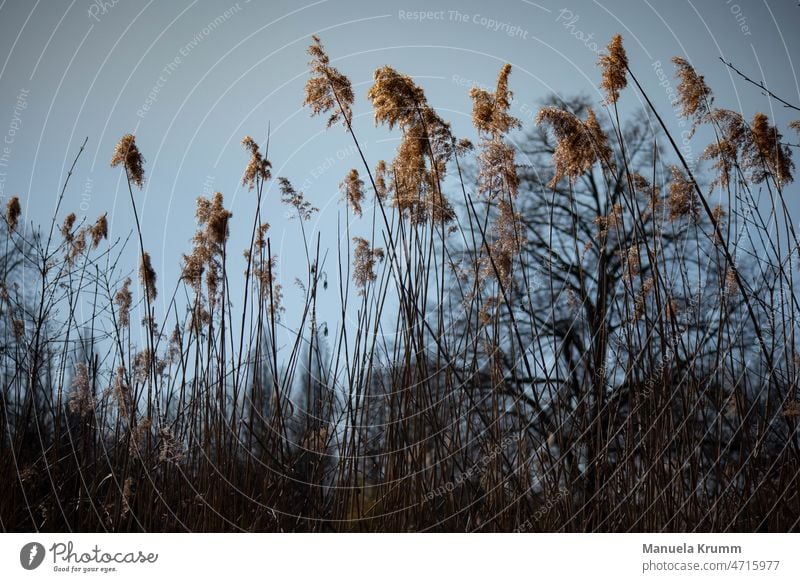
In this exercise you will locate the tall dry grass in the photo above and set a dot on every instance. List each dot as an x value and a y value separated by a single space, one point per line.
571 336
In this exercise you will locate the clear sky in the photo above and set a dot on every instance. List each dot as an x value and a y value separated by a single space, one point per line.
191 78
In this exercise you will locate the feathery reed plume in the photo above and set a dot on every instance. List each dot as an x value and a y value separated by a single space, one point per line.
762 152
490 110
765 155
127 154
498 170
261 236
632 263
209 246
77 246
507 243
266 273
612 221
731 284
653 194
212 215
579 144
143 364
694 96
265 270
327 90
381 189
681 199
614 65
18 327
640 303
13 212
169 449
123 299
599 139
121 392
258 168
364 259
80 399
733 136
66 228
147 276
292 197
353 190
398 101
99 231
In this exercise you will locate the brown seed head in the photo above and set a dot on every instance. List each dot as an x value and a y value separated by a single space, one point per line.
147 276
381 189
353 190
694 96
731 284
80 399
364 259
578 144
327 89
766 155
681 199
13 212
296 199
614 65
99 231
127 154
123 300
733 137
258 168
426 146
490 110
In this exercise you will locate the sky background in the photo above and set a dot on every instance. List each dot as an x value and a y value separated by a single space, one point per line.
72 70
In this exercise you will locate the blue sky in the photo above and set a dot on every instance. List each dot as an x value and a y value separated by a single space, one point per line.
191 78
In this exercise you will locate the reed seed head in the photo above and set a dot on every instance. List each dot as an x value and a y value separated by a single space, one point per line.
147 276
498 169
364 258
121 392
13 212
579 144
766 155
296 199
258 168
694 96
127 154
681 200
614 66
327 90
123 299
427 144
731 283
633 263
734 135
353 190
381 188
99 231
490 110
80 399
67 226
